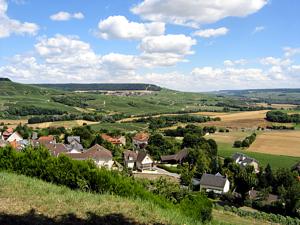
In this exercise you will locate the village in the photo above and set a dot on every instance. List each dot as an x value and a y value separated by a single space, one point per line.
137 161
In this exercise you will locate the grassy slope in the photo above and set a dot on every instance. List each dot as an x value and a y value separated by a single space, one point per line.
30 201
19 195
22 94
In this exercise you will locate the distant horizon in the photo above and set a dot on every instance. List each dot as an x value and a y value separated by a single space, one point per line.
253 89
194 45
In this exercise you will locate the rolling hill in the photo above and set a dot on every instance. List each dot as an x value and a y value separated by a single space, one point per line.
9 88
102 87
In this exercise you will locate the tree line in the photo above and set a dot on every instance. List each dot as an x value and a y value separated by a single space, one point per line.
167 121
246 142
68 117
282 117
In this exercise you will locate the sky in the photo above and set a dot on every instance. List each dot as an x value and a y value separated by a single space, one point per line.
187 45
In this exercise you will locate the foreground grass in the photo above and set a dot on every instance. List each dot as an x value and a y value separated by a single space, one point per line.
276 161
30 201
227 218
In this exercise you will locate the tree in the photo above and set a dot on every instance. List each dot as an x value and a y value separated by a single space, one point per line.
186 176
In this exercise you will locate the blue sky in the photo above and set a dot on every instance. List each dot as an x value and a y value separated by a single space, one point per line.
194 45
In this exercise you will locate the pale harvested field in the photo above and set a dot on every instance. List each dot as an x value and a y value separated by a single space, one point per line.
278 106
239 120
66 124
278 143
228 138
13 123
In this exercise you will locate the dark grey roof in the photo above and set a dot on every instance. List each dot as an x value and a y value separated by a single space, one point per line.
130 154
178 157
213 180
141 155
296 167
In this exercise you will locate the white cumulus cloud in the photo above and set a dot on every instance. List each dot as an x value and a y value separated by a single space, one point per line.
171 43
10 26
118 27
208 33
65 16
195 12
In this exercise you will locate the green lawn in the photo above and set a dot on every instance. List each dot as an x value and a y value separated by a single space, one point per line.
276 161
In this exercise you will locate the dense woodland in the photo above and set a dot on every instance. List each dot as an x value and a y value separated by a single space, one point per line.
282 117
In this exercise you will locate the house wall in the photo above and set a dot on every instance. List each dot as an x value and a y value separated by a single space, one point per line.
130 165
226 187
216 190
147 160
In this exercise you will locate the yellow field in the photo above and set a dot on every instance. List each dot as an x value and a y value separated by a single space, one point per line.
229 138
250 120
66 124
13 123
278 143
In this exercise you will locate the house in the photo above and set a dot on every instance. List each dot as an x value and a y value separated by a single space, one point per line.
244 160
215 183
121 140
140 141
267 200
56 149
6 134
144 161
176 158
46 140
100 155
74 145
73 139
296 167
15 136
130 158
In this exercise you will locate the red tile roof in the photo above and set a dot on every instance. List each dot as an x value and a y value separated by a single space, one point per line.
141 137
46 138
110 139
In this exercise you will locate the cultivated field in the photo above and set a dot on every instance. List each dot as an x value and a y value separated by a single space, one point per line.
278 143
250 120
283 160
66 124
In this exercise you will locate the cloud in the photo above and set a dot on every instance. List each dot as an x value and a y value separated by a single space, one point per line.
290 52
275 61
195 12
231 63
68 59
208 33
118 27
10 26
171 43
258 29
65 16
